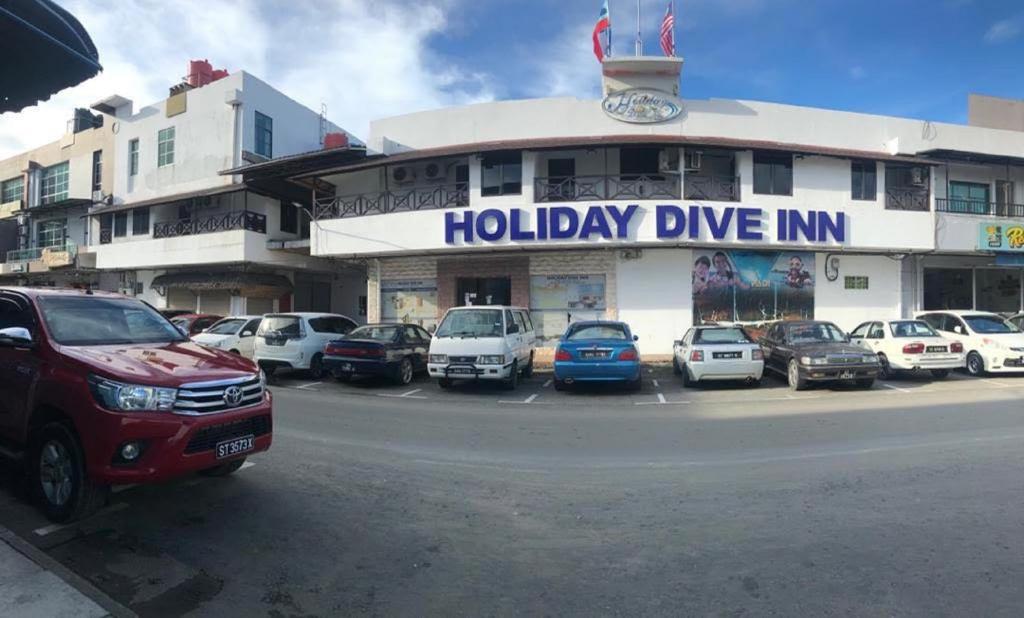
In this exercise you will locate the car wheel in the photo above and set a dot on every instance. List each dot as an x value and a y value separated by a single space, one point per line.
975 364
444 383
512 381
793 378
224 469
865 383
528 370
675 365
560 385
884 370
404 373
316 367
60 482
688 382
940 374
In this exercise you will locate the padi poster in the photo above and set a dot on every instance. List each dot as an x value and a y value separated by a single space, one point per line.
413 301
752 286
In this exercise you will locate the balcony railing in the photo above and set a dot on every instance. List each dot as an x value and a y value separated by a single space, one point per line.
64 253
586 188
961 206
395 200
906 199
243 220
711 188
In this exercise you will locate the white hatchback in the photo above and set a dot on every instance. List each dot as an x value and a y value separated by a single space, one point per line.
483 343
991 342
297 340
909 345
717 353
236 334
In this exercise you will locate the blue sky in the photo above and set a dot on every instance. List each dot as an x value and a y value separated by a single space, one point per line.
368 59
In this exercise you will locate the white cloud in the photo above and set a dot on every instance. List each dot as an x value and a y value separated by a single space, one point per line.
365 60
567 66
1003 30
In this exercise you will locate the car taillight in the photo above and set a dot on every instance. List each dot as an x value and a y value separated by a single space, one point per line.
628 354
562 355
757 355
913 348
697 356
956 347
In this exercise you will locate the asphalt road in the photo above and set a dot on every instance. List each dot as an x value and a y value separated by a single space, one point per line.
376 500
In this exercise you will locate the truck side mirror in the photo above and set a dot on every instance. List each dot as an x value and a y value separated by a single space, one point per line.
15 337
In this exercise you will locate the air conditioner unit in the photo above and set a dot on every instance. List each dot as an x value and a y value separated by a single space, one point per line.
433 171
403 174
693 160
918 176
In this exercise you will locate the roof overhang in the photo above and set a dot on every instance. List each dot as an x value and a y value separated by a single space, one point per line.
260 285
45 50
47 209
298 164
949 155
169 199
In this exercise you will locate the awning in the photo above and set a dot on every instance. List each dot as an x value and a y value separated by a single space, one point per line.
46 209
43 50
248 284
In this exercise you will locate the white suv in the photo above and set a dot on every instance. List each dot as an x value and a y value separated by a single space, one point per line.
297 340
483 343
991 343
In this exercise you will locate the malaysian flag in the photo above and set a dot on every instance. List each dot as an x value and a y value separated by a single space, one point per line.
668 36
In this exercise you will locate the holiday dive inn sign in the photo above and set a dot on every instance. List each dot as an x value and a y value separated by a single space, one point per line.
642 105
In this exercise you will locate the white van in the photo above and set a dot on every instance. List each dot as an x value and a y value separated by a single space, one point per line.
297 340
483 342
992 343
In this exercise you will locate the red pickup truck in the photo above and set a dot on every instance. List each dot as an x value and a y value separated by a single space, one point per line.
97 390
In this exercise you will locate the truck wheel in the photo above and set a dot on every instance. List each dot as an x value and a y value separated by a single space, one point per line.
224 469
59 479
403 375
512 381
793 378
975 364
940 374
316 367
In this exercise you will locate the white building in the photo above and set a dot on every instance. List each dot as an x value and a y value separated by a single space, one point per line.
665 213
182 236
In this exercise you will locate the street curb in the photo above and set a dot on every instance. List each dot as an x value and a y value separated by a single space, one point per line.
77 582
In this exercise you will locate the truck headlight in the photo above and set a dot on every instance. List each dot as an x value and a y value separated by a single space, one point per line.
439 358
492 360
131 397
813 360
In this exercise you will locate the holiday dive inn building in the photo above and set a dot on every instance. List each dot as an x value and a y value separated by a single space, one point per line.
666 212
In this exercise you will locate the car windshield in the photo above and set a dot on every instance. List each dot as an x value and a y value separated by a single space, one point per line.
721 335
816 332
182 322
990 324
911 328
83 321
597 331
377 333
281 326
226 327
472 323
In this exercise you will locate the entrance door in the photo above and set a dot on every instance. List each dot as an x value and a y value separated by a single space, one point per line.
1004 199
483 291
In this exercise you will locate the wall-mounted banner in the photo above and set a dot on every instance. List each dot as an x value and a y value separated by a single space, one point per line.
752 286
613 222
642 105
412 301
1000 237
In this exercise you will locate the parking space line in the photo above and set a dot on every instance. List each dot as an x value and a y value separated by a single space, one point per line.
402 396
994 383
895 388
247 464
661 402
113 508
531 398
655 383
661 398
547 384
526 401
310 385
412 392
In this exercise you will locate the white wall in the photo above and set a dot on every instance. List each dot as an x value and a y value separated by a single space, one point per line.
848 308
296 127
654 295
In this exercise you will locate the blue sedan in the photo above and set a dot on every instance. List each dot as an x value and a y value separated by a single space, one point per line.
597 351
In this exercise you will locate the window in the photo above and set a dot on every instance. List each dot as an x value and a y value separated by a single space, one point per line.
969 197
501 174
911 328
864 178
524 317
471 323
94 320
519 321
289 218
998 290
287 326
773 174
328 324
165 147
264 135
51 233
732 334
861 331
121 224
227 327
855 283
140 222
97 170
597 331
12 190
133 157
412 335
54 184
948 288
876 332
251 327
15 312
906 187
510 322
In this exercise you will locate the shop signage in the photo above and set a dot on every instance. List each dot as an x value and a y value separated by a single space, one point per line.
642 105
1001 237
612 222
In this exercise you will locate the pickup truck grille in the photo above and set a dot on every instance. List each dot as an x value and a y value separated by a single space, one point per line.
470 360
213 397
207 438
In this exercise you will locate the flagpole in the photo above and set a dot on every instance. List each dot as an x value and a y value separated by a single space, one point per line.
609 28
639 41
